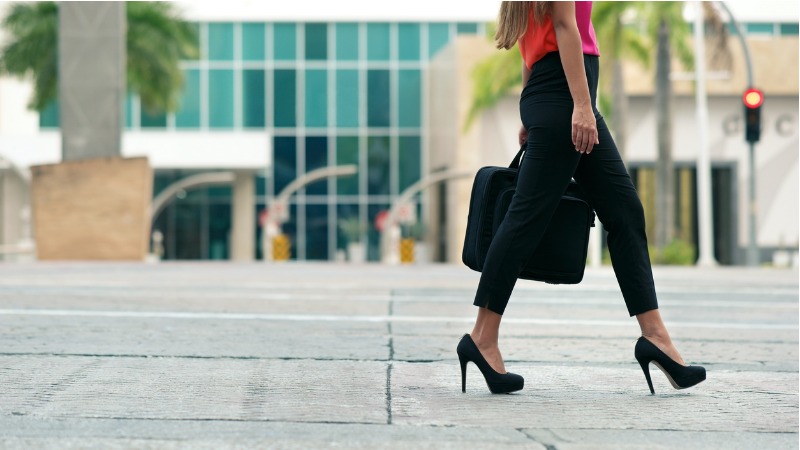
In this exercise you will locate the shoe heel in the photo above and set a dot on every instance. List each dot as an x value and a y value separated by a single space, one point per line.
646 369
463 360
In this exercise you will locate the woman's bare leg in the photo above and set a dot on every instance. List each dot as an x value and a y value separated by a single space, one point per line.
655 331
485 335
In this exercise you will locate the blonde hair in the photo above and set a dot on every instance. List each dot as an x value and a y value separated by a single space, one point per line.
512 21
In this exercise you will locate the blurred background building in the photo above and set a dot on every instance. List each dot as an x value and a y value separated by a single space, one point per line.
280 90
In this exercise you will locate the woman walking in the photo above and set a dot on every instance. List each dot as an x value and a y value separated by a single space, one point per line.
565 138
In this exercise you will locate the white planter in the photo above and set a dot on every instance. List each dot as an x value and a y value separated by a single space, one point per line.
356 252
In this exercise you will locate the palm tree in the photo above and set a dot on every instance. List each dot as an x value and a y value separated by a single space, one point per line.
157 39
667 30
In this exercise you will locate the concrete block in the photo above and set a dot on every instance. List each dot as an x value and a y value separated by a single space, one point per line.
94 209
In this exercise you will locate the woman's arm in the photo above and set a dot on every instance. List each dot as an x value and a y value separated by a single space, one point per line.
526 73
584 125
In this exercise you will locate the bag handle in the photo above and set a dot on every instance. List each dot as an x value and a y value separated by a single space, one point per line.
515 162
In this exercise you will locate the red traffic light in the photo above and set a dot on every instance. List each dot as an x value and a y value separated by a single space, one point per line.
753 98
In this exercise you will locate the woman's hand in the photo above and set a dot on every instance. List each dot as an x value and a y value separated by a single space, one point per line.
584 129
523 135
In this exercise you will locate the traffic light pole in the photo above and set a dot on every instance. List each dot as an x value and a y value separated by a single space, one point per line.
752 248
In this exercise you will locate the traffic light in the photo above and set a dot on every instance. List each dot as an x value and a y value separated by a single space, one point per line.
753 99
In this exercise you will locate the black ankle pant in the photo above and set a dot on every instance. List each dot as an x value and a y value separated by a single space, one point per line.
549 163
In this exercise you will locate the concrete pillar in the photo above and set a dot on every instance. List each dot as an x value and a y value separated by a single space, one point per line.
243 217
92 78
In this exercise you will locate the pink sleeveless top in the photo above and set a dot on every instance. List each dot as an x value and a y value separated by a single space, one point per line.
541 40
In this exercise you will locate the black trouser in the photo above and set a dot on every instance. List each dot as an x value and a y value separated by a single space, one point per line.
549 163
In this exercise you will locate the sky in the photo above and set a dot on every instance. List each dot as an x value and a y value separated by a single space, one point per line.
417 10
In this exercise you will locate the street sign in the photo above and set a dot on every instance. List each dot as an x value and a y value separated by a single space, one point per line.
406 213
280 211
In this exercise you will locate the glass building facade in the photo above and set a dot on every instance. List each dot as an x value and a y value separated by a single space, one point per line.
327 94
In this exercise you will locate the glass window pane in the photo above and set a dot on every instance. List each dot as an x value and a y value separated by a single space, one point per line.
188 114
317 157
253 98
129 109
284 98
284 156
253 42
220 41
467 28
410 85
155 120
347 98
284 41
220 98
346 41
316 41
378 164
219 228
409 160
408 41
378 98
347 153
49 118
438 36
316 98
317 232
789 29
348 220
378 41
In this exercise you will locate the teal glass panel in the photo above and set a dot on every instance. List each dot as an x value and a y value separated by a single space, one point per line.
316 232
346 41
438 37
378 104
317 158
253 42
188 114
220 41
408 41
284 41
284 98
467 28
789 29
410 85
284 157
154 120
316 41
253 98
409 159
128 111
347 153
316 98
378 41
378 165
49 116
347 98
760 28
220 98
347 215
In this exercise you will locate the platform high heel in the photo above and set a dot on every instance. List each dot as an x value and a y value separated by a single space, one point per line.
498 383
681 377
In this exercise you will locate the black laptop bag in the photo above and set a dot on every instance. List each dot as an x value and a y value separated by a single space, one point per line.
560 258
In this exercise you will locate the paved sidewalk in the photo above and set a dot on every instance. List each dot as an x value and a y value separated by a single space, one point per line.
222 355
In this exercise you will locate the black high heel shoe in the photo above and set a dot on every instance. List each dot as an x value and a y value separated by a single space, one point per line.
681 377
499 383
